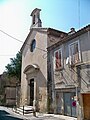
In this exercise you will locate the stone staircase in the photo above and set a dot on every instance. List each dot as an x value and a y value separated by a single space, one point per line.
24 110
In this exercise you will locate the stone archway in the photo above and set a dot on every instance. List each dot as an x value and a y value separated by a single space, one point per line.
31 76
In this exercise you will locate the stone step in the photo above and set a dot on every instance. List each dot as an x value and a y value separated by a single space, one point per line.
24 110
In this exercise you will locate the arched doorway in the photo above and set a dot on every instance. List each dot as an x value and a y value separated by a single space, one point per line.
31 91
31 77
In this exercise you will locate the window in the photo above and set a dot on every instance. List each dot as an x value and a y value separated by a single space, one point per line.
33 45
74 52
34 19
58 59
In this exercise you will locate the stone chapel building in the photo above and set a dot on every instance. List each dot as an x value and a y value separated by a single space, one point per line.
34 63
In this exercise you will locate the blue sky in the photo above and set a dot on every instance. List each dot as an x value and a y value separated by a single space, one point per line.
15 20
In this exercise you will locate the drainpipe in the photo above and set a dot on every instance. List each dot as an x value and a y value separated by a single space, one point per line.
53 89
77 104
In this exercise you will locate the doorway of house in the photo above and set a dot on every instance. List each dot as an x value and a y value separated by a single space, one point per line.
69 108
31 92
86 106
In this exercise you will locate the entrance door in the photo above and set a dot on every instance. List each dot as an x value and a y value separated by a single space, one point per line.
58 102
86 105
67 104
69 109
31 91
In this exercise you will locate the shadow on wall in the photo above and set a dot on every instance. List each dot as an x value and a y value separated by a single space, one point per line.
42 81
41 92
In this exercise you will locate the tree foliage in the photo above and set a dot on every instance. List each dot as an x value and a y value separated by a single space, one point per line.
14 68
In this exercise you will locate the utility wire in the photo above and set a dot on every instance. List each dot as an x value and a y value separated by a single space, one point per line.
20 40
79 14
11 36
6 55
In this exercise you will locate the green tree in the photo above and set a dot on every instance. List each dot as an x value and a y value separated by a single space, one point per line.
14 68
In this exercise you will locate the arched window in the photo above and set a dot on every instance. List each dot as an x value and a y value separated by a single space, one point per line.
34 19
33 45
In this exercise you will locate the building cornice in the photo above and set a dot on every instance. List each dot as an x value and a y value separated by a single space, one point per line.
69 37
49 31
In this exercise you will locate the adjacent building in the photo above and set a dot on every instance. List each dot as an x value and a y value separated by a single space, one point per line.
69 74
8 91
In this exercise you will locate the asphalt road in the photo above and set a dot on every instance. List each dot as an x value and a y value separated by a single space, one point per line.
6 116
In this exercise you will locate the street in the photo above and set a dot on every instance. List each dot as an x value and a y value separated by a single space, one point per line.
9 114
6 116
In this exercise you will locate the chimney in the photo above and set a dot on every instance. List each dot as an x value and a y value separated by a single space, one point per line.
72 31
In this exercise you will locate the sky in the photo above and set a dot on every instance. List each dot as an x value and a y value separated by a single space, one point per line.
15 20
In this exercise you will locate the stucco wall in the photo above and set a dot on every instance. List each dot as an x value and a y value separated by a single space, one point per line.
66 73
66 78
36 57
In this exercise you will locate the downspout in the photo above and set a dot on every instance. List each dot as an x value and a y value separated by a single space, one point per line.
53 87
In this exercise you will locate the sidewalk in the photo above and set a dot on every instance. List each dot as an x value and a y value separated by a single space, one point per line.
43 116
52 117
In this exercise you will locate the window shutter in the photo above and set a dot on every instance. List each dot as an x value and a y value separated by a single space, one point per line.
58 61
74 52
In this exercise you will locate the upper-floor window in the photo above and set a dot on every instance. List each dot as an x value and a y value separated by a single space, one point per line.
74 52
58 59
33 45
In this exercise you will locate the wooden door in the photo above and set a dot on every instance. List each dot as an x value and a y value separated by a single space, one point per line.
31 91
86 106
69 109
